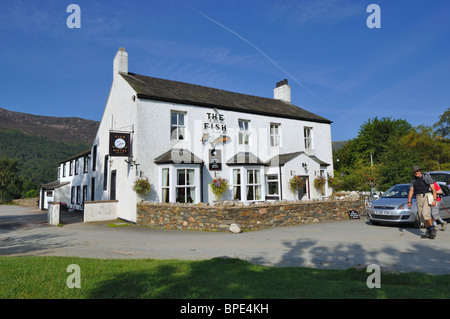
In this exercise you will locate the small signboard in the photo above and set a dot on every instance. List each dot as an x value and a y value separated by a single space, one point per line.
119 144
353 214
215 160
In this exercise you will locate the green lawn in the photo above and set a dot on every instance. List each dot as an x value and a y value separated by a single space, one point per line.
46 277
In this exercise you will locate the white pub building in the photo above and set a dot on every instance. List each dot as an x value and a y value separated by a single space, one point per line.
181 136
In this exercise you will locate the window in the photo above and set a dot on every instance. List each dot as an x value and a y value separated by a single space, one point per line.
165 186
236 184
77 166
177 126
308 138
64 170
94 157
244 133
272 185
253 185
72 195
185 188
274 135
84 194
85 164
78 194
70 168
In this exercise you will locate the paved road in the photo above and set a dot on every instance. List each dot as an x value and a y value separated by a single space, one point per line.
339 245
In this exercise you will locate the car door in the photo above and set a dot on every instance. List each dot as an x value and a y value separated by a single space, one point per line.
444 210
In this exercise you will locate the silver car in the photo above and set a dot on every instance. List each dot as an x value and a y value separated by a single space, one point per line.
441 176
392 206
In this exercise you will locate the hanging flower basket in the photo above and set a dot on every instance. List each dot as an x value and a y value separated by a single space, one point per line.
296 183
319 183
141 186
219 186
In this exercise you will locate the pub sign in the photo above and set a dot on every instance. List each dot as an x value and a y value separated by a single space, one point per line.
119 144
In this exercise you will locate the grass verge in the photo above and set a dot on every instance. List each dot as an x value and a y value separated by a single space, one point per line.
218 278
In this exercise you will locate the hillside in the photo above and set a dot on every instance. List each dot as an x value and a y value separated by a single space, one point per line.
337 145
60 129
40 143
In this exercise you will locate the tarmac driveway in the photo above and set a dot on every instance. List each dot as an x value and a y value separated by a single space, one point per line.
339 245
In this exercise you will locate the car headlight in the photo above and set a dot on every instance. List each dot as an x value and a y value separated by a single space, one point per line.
370 205
403 206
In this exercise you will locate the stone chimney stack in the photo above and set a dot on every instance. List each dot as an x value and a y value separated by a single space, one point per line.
120 62
282 91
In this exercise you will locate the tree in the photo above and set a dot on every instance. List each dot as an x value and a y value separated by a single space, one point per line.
372 140
396 166
442 127
434 153
10 183
361 177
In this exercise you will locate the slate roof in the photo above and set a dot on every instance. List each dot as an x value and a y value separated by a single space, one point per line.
245 158
177 156
282 159
184 93
54 185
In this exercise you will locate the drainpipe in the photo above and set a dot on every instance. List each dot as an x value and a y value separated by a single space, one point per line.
201 181
281 185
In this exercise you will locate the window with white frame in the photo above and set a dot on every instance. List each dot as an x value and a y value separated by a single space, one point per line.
165 186
237 184
77 166
177 125
185 187
72 195
244 132
273 188
78 195
307 132
275 134
253 185
85 164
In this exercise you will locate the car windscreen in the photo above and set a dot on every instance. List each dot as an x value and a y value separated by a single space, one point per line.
397 191
440 177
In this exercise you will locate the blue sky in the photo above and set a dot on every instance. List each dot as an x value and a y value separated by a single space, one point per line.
337 67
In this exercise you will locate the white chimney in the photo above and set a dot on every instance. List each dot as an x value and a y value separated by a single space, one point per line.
282 91
120 62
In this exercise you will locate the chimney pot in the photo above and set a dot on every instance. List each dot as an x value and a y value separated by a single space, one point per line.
120 62
282 91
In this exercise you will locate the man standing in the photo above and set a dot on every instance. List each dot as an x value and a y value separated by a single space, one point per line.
423 186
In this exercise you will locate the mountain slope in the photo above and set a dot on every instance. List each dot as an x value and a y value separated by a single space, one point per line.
40 143
61 129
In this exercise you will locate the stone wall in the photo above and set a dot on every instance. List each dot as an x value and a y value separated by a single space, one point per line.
251 217
29 202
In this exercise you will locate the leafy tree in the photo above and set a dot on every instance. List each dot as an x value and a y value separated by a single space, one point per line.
396 165
442 127
362 176
372 141
10 183
434 153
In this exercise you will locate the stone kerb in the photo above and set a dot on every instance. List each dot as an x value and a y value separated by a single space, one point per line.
247 217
